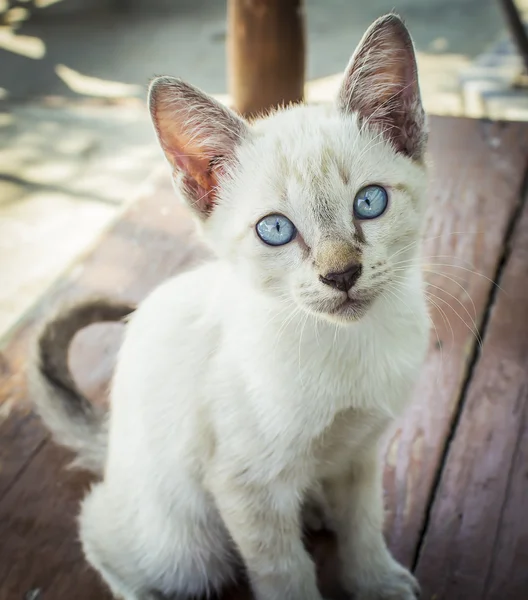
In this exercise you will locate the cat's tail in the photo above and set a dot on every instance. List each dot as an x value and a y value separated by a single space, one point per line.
73 420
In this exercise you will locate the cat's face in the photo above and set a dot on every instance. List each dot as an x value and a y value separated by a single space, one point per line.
320 206
319 212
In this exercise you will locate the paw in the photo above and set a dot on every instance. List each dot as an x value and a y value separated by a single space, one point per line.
392 583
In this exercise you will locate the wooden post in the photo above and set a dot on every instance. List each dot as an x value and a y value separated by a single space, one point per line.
516 28
266 53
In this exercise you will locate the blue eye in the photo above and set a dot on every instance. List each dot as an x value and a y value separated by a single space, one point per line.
276 230
370 202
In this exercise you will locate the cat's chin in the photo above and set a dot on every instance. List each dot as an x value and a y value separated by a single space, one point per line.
349 310
344 311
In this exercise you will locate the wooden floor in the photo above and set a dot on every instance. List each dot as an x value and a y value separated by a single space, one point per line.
456 475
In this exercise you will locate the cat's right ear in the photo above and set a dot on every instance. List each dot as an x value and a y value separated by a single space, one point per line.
199 137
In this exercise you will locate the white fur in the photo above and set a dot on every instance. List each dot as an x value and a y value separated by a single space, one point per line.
236 397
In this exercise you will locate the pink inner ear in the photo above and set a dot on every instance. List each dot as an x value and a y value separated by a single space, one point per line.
191 157
198 135
201 187
200 198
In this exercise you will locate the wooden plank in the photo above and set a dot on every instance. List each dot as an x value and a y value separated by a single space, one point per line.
478 174
119 266
476 545
39 549
475 189
38 496
517 29
266 53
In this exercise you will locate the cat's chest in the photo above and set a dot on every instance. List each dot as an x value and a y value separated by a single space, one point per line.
298 379
366 369
350 435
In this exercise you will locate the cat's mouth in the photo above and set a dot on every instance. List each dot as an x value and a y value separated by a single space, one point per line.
350 307
345 308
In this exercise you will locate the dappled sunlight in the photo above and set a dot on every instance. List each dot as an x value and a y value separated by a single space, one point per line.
64 174
6 119
39 236
223 98
323 89
439 44
94 86
81 151
16 15
25 45
50 172
439 80
46 3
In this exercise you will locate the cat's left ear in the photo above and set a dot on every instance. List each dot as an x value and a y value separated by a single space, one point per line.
381 86
199 137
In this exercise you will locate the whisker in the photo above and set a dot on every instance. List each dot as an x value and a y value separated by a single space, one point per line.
446 320
422 240
474 317
415 243
335 334
476 333
444 317
464 269
431 320
300 346
473 320
296 310
463 289
423 257
453 266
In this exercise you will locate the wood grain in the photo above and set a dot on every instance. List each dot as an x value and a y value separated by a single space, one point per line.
479 169
38 496
477 177
151 242
476 545
266 54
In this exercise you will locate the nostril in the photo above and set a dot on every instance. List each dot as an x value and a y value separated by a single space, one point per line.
352 270
327 281
343 280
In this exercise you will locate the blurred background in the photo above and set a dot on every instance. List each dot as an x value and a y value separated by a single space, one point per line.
76 143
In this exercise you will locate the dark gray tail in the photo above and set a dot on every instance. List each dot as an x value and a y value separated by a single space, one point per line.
72 419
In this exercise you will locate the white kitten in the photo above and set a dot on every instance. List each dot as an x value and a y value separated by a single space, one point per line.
266 377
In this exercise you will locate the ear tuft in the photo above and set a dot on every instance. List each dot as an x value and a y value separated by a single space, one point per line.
381 86
198 135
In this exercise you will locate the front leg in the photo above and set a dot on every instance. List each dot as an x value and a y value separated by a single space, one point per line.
265 524
355 501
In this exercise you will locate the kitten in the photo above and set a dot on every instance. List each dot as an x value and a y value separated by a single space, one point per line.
264 379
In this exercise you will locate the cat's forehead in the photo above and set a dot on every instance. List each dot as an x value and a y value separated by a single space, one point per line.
303 130
316 146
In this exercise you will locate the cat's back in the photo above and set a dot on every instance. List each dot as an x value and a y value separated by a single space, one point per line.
181 303
171 337
156 395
